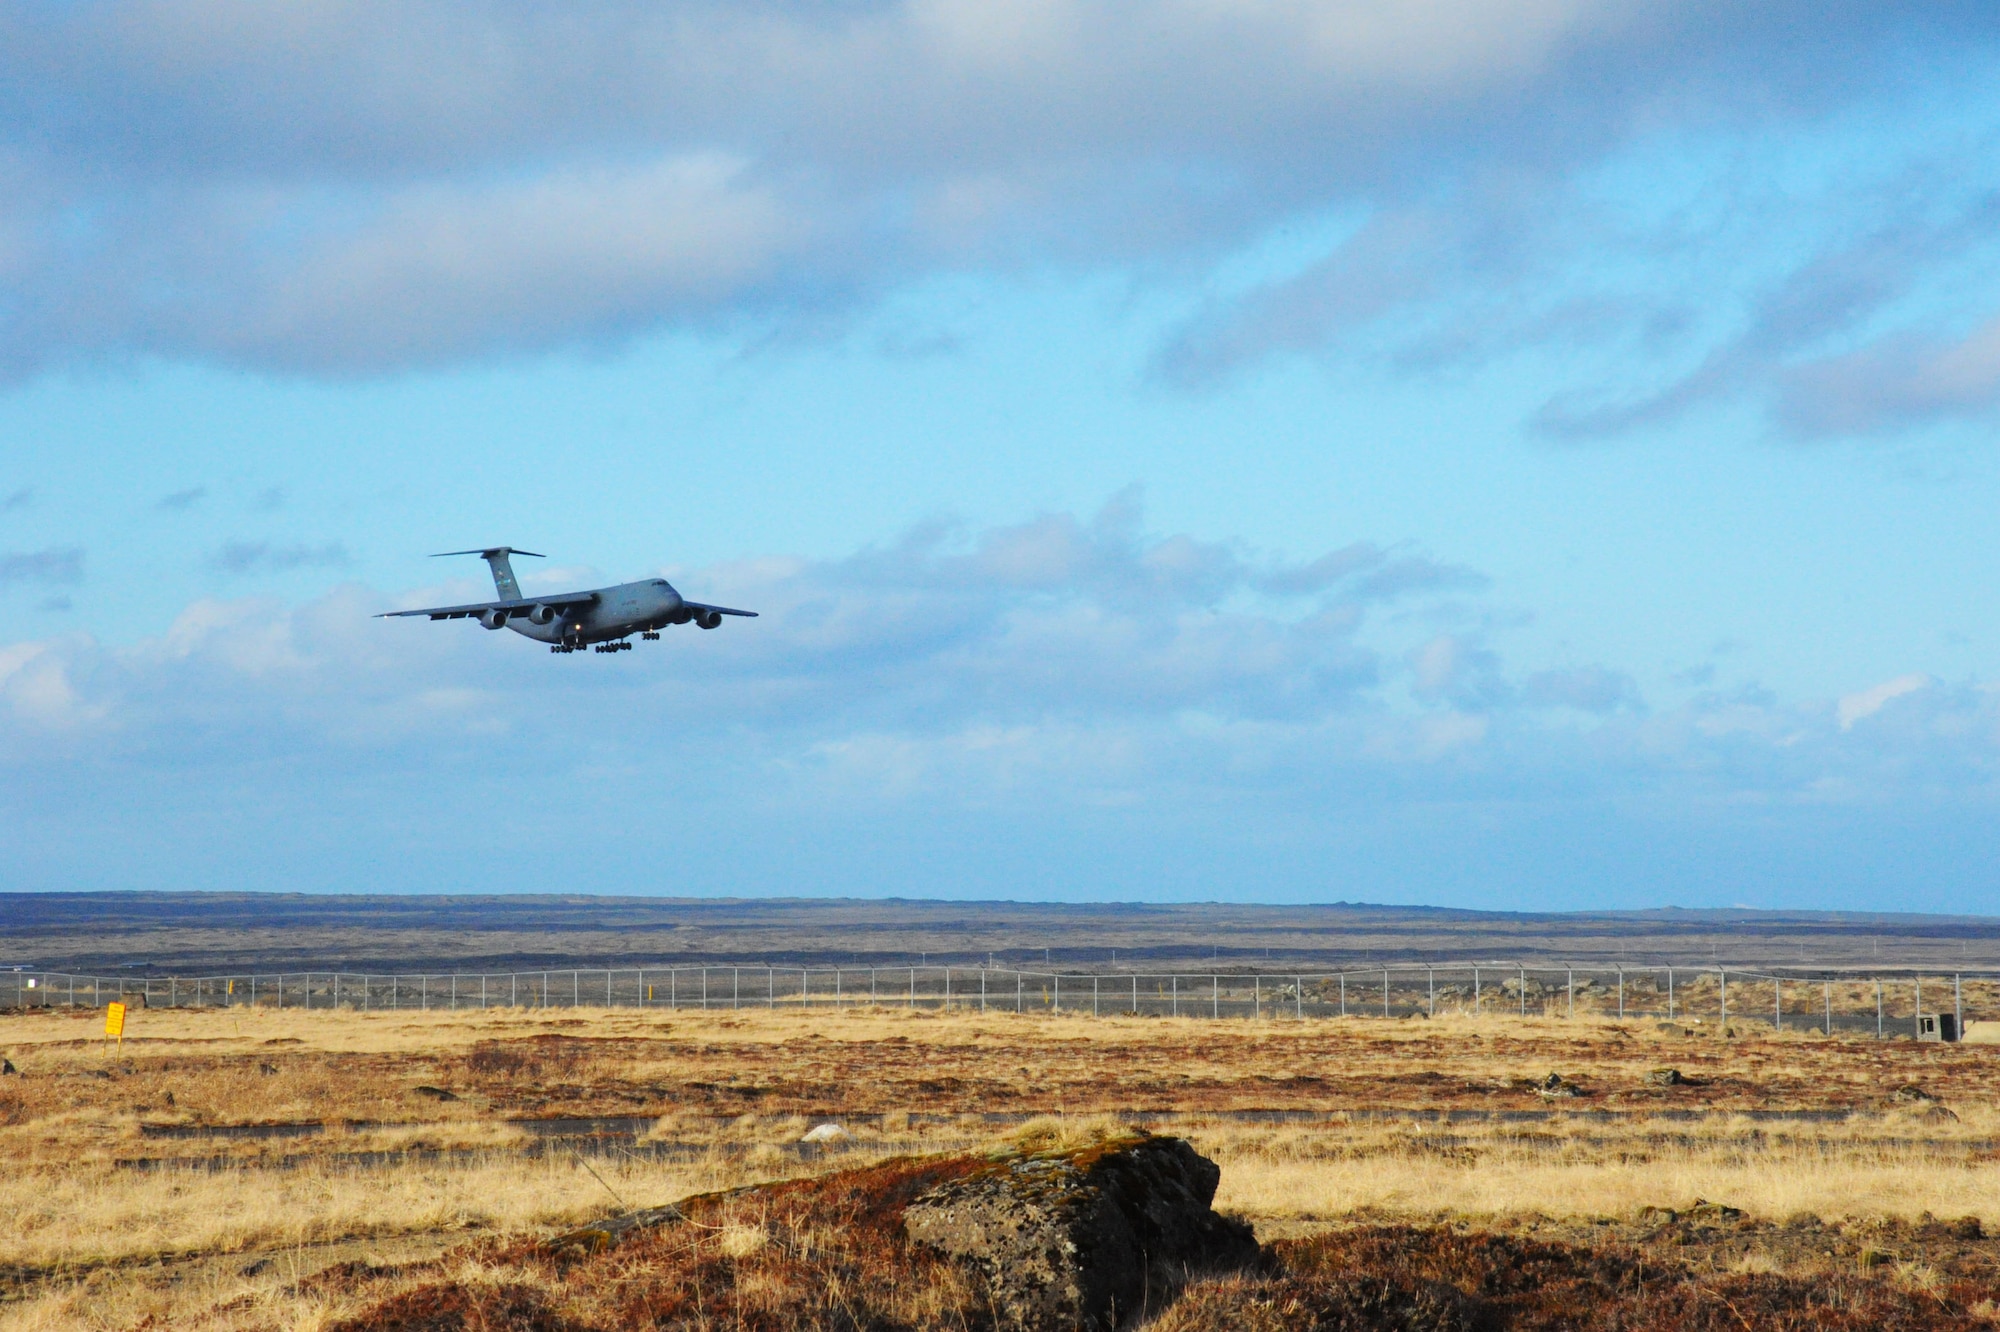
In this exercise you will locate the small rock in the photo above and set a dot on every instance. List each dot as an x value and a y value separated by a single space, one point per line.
1938 1114
826 1133
1556 1086
1705 1212
1671 1029
435 1093
258 1268
612 1230
1868 1258
1665 1077
267 1069
1656 1216
1910 1094
1967 1228
7 1066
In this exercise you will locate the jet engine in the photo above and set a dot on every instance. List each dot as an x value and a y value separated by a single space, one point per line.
542 615
708 619
493 619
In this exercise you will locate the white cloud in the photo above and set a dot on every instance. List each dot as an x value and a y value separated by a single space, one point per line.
1854 707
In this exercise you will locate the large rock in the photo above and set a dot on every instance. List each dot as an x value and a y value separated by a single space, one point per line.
1086 1238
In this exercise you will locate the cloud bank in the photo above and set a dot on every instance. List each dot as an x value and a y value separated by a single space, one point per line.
1100 710
333 189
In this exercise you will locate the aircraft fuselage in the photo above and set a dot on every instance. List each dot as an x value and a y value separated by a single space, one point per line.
628 608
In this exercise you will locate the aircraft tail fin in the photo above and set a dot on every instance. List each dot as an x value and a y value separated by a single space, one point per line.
503 569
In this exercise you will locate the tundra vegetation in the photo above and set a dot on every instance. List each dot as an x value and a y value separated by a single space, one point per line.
246 1168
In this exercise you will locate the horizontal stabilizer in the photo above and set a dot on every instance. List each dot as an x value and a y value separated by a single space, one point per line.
488 553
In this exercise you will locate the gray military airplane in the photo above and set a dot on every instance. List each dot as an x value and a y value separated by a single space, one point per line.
604 618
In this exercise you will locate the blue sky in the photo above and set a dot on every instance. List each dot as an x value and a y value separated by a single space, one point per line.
1525 454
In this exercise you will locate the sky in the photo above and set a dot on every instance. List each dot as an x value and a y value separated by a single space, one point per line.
1516 454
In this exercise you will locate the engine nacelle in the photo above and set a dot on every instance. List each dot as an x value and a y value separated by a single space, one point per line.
680 615
542 615
493 619
708 619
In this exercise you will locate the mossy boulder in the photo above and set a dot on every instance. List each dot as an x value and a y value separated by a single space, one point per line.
1085 1237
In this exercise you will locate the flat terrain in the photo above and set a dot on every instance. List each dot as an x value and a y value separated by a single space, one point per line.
217 932
213 1170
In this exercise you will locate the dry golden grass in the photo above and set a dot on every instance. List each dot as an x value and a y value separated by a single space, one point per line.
738 1088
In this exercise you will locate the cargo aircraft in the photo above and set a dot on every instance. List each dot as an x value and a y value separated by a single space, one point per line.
604 618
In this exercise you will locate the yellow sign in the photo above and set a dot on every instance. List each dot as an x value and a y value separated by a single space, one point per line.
114 1021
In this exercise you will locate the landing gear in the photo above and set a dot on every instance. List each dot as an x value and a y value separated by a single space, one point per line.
651 635
620 646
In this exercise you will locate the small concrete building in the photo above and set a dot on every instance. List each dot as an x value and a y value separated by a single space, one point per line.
1937 1027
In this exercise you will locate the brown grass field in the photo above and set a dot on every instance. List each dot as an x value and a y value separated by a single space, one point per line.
246 1168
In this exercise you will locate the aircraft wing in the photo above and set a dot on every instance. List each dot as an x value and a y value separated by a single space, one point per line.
523 604
719 610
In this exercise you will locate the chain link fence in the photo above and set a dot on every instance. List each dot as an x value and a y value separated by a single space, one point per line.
1881 1004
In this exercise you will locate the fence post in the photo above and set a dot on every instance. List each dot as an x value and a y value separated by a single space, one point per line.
1524 991
1570 980
1215 996
1723 984
1670 994
1017 992
1256 997
1475 992
1177 996
1135 994
1385 992
982 989
1917 1019
1621 994
1343 994
1058 994
1829 1008
1298 996
1878 1009
947 987
771 988
913 989
1432 977
1957 1007
1777 1005
1095 989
